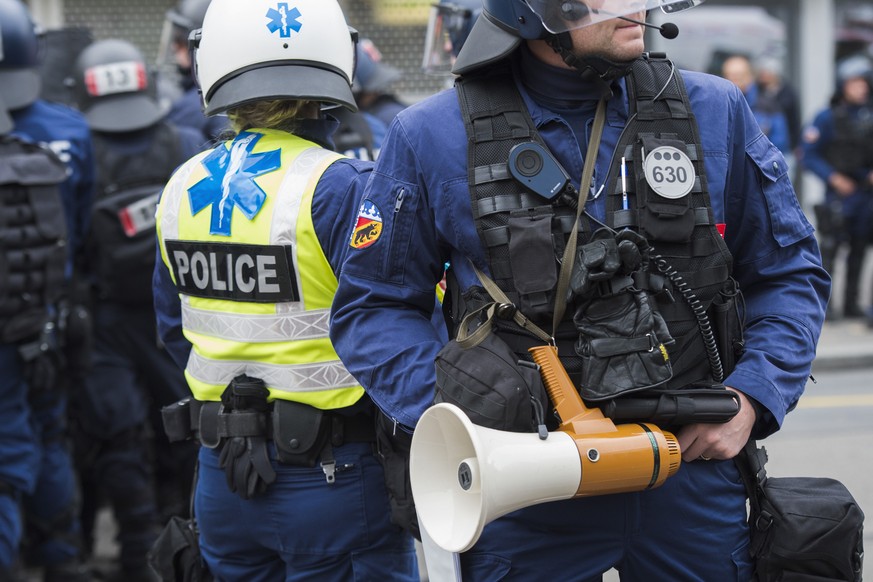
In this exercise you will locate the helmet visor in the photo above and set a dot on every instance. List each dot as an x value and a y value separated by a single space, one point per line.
563 15
447 28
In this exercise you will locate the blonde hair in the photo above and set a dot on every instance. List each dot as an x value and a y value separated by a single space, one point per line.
279 114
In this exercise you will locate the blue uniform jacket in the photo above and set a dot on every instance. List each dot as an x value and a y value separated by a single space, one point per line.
420 187
64 131
335 198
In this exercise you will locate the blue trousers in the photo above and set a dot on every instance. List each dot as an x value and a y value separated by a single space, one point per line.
35 462
692 528
303 529
130 378
19 456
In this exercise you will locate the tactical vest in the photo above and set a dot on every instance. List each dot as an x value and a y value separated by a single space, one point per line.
255 297
849 151
692 268
33 236
121 243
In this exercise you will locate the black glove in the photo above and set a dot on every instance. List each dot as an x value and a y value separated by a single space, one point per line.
596 261
245 460
622 341
247 466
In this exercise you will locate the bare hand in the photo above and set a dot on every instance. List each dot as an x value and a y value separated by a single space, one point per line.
718 441
843 184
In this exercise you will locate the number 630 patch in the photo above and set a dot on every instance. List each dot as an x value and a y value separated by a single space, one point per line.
669 172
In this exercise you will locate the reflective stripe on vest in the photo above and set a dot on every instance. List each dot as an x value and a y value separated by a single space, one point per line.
286 343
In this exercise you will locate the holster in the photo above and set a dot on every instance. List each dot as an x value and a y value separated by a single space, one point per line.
177 420
674 407
300 432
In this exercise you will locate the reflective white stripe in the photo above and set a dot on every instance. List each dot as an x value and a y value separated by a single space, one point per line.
250 327
286 378
283 230
171 200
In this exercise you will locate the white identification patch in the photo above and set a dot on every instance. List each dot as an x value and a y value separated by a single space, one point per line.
669 172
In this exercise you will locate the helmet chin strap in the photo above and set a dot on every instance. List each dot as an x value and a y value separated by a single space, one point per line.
593 68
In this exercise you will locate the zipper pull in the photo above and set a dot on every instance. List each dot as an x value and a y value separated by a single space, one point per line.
399 201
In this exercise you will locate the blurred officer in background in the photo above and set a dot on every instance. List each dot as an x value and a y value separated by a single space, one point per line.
187 110
252 235
837 149
40 332
768 112
373 83
361 132
132 376
448 26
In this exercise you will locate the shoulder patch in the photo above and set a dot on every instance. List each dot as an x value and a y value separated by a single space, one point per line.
368 226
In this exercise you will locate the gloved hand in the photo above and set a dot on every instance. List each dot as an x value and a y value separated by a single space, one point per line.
247 466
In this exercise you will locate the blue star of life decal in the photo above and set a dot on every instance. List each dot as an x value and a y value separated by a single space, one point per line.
283 20
231 181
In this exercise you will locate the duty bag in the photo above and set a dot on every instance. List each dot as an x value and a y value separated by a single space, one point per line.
803 529
175 556
489 383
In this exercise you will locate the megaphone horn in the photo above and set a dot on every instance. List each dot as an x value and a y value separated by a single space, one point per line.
464 476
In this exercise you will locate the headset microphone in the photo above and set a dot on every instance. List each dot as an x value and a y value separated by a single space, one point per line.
668 30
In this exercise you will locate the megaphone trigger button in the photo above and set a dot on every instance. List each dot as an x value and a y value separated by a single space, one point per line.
593 455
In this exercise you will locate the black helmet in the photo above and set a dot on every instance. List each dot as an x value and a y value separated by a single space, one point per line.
506 23
448 27
19 60
114 89
188 14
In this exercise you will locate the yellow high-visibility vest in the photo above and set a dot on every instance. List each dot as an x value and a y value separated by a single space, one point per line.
236 233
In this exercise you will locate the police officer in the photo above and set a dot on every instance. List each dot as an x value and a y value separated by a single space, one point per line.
374 79
836 148
566 81
187 109
738 70
132 376
35 465
252 234
448 26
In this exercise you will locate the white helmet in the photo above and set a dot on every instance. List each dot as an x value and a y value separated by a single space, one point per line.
274 49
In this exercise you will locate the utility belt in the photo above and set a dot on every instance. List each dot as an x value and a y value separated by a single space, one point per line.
300 432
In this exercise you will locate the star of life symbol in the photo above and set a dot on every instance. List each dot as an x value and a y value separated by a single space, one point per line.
231 181
283 19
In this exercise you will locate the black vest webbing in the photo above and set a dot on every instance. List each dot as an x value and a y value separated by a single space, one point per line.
691 252
33 236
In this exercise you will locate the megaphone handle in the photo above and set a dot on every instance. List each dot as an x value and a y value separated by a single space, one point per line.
440 564
561 390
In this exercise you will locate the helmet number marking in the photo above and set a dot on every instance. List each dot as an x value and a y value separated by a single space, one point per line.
123 77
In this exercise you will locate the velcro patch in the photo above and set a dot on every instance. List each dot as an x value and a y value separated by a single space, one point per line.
237 272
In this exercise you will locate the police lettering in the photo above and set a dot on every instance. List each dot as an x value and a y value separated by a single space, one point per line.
231 271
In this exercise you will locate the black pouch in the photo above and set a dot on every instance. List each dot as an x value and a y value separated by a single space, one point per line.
177 420
300 432
728 326
662 219
802 528
175 555
490 385
392 450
